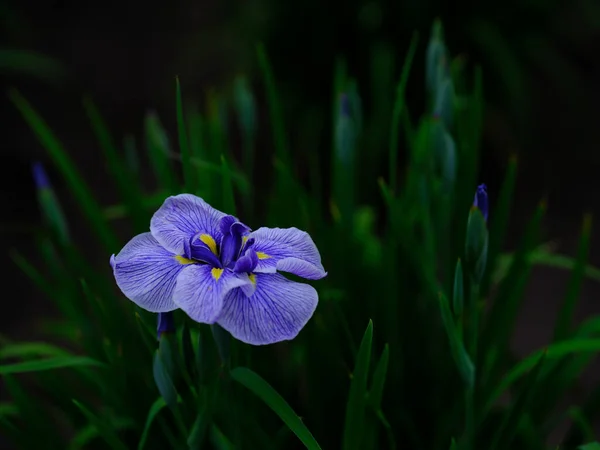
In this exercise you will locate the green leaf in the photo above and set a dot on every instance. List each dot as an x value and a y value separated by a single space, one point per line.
267 394
32 273
198 432
227 188
82 439
458 295
34 64
581 421
590 446
8 409
565 315
459 353
499 221
505 434
556 350
376 391
501 319
398 110
76 183
219 440
29 349
189 179
275 112
163 372
59 362
355 409
130 192
156 407
158 149
107 432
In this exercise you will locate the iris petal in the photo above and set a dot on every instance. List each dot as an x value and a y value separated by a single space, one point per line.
201 288
277 311
289 250
146 273
180 218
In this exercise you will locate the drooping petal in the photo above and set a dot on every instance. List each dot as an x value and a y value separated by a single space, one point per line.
180 218
289 250
146 273
277 311
201 288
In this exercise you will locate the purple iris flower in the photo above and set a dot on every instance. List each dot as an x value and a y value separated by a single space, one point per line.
481 200
217 270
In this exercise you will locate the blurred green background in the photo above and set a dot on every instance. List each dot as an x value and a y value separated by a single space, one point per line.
540 66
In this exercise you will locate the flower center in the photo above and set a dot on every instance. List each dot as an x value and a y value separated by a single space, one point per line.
234 251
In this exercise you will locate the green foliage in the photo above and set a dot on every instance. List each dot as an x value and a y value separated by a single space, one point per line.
432 365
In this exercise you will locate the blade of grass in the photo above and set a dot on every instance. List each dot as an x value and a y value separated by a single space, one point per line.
267 394
553 351
505 434
158 151
501 320
565 315
189 180
156 407
356 406
74 180
275 112
499 222
130 192
58 362
107 432
398 111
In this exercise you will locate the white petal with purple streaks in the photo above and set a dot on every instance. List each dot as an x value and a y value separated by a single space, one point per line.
289 250
277 311
146 273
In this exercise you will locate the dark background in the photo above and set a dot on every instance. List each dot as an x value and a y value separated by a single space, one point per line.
541 65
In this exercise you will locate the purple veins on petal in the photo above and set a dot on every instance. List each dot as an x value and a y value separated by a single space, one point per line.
146 273
277 311
166 323
180 218
288 250
201 288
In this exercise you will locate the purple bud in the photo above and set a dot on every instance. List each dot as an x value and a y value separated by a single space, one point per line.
345 108
166 323
40 177
481 200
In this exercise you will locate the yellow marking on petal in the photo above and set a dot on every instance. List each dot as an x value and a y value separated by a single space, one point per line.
244 239
252 278
262 255
183 260
210 242
216 273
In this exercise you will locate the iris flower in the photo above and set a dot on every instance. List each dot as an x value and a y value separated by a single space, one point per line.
217 270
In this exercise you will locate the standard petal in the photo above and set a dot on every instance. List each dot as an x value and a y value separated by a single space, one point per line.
180 218
277 311
146 273
289 250
201 288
